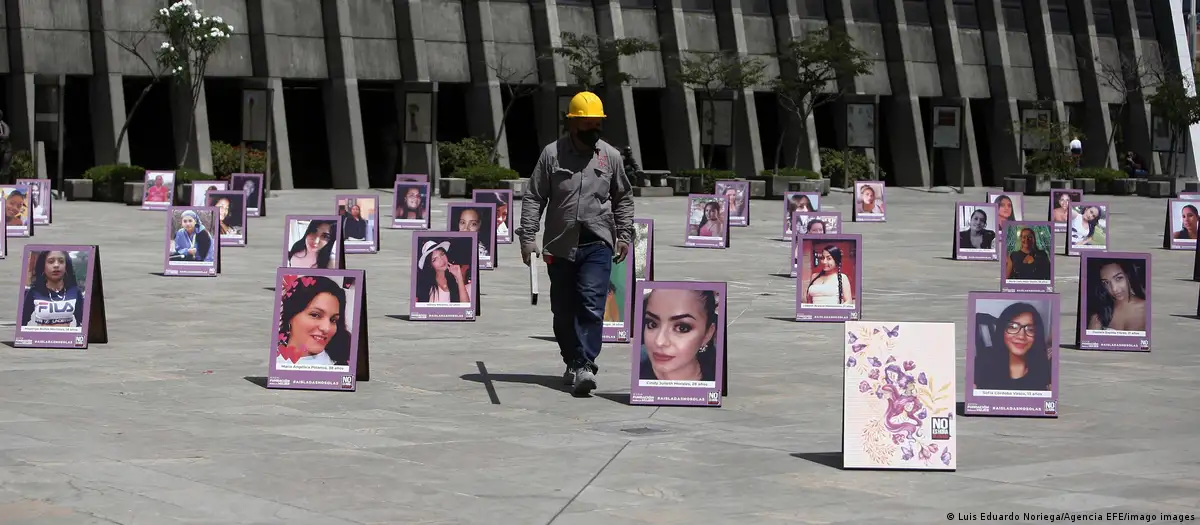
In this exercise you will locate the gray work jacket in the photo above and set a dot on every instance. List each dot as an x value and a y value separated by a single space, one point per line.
577 191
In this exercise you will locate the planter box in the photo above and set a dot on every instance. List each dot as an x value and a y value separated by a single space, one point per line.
450 187
133 193
1170 180
1119 187
108 191
697 185
1039 184
1087 185
78 189
811 185
1191 186
516 185
1061 184
824 187
656 178
779 185
758 188
1156 189
680 185
1014 184
648 191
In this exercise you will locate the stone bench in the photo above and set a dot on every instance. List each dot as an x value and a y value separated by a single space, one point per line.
133 193
516 185
758 189
1123 186
680 185
655 178
1155 188
1088 186
650 191
806 185
451 187
78 189
1014 185
1191 186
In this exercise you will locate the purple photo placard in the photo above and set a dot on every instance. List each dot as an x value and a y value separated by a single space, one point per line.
812 223
312 241
412 177
202 188
191 249
252 185
794 201
54 303
1004 329
315 329
18 219
231 209
617 309
678 360
829 280
1088 228
3 243
503 201
869 201
1183 224
40 200
1114 301
410 206
1184 195
476 218
975 236
360 222
1060 208
738 192
1010 206
158 192
1027 264
707 224
454 255
643 249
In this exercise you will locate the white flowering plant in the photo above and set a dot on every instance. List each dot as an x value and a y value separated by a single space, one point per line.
192 38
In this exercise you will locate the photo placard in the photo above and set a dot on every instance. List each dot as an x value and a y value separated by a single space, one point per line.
449 258
738 192
360 222
18 214
410 206
3 243
707 222
1114 301
1028 261
618 303
1005 330
502 199
252 185
794 201
1060 208
975 237
41 199
947 132
898 399
1009 207
201 189
679 343
319 330
412 177
812 223
860 125
829 280
191 248
1182 225
869 201
643 249
313 241
158 192
231 209
60 302
476 218
1088 228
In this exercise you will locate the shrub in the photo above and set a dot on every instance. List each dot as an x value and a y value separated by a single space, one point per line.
792 172
115 174
1101 174
837 164
22 166
468 152
187 175
708 178
227 159
485 176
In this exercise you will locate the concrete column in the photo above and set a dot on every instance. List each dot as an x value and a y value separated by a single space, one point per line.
786 20
106 88
19 109
485 101
414 69
546 36
343 115
195 137
620 127
950 66
905 122
1135 127
681 125
1045 59
266 73
731 35
1173 38
1005 146
1097 123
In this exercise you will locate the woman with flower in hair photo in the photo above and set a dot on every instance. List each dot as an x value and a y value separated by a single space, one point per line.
312 322
828 284
679 329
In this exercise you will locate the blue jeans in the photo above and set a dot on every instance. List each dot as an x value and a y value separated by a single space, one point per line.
578 291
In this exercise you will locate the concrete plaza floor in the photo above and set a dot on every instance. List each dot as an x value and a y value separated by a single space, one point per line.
168 424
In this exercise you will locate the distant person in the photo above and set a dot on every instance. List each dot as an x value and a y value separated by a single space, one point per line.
1076 149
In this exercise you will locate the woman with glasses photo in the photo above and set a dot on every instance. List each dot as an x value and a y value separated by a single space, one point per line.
1017 358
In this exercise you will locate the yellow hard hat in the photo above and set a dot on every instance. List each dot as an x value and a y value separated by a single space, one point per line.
585 104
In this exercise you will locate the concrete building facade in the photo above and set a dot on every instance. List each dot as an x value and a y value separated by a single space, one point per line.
362 89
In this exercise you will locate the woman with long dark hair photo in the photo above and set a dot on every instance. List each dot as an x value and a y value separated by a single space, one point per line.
1087 223
410 204
679 329
54 298
977 236
1017 358
712 222
312 322
1028 262
828 284
1116 297
192 241
315 248
440 280
1189 222
1004 211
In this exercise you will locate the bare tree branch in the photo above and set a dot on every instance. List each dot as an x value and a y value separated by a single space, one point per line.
518 86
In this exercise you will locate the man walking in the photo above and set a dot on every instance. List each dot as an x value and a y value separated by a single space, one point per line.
580 183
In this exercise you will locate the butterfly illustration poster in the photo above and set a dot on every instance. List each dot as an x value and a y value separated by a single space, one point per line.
899 397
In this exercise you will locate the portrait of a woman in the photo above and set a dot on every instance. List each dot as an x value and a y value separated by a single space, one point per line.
473 220
868 200
1116 295
829 285
202 193
1017 358
1028 262
354 225
192 241
1189 221
16 213
230 214
1004 210
312 323
315 248
976 236
410 204
159 190
679 329
737 199
1087 226
54 297
440 280
711 221
248 184
1062 207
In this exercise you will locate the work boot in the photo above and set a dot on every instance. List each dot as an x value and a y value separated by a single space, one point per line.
585 381
569 377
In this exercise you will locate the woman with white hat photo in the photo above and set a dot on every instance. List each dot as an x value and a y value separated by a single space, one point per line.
438 279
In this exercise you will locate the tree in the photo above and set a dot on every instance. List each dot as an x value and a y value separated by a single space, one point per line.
712 73
192 39
516 84
1127 76
133 46
1049 153
811 67
1176 103
588 57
